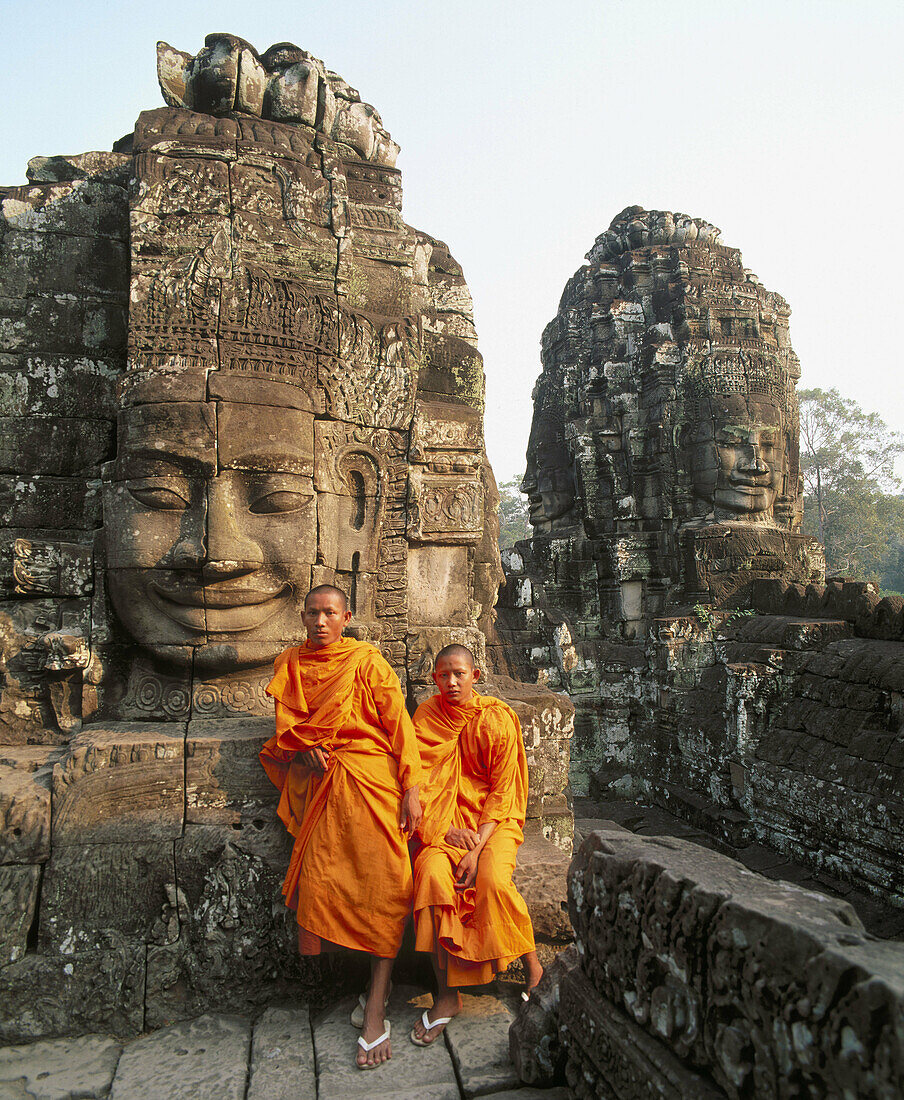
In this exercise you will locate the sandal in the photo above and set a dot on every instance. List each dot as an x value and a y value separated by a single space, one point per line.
368 1047
428 1026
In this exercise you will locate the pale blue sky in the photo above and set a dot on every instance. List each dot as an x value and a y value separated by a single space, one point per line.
526 127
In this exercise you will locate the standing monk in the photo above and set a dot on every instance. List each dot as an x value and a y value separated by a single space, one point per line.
467 912
345 759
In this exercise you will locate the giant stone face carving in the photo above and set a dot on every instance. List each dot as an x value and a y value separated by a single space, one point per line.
664 446
297 399
210 529
737 457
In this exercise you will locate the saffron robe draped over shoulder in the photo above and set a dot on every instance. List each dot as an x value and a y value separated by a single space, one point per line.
475 772
349 876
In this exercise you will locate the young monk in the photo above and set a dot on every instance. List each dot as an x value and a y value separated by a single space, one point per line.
467 912
345 759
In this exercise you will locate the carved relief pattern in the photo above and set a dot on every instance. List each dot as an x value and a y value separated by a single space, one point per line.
443 506
374 383
51 568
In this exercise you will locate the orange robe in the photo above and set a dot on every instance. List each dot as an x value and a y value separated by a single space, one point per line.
476 772
349 876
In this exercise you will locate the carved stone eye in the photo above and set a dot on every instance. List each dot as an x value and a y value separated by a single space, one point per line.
281 501
159 497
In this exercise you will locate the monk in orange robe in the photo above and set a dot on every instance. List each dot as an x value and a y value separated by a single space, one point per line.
467 912
345 760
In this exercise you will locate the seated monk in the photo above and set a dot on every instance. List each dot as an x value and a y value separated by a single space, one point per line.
345 759
467 912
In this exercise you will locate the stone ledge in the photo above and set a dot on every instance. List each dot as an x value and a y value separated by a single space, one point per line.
751 979
119 782
541 875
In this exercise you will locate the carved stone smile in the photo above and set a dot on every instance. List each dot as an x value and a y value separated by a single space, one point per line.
219 610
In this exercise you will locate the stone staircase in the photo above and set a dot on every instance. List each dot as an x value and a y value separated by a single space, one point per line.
285 1054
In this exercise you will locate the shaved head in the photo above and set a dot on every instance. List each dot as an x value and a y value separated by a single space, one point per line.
331 590
456 650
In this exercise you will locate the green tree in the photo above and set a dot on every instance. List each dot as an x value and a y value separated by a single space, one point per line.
513 522
852 494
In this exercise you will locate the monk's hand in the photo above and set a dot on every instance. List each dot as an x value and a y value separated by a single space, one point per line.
466 871
316 759
411 813
462 838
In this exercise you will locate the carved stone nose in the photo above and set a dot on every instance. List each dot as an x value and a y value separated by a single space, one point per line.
227 543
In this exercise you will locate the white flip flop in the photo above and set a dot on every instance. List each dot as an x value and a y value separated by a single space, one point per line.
428 1026
368 1047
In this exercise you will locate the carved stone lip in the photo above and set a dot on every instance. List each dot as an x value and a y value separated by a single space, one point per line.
219 610
749 486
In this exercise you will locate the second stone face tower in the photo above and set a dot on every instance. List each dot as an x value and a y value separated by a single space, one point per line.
663 467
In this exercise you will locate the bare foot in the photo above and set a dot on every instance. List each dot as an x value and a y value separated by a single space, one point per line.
374 1026
533 971
447 1004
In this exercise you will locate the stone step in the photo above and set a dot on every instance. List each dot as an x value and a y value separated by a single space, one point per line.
478 1040
418 1073
285 1055
202 1059
59 1069
282 1057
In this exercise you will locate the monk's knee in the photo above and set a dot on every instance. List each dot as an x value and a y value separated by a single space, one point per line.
491 874
432 874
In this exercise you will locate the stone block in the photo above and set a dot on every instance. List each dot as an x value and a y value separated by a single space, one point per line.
59 1069
444 508
54 445
609 1055
547 723
26 713
203 1059
47 567
50 502
282 1057
175 183
74 324
752 979
57 385
98 895
57 263
82 208
237 942
534 1044
224 780
438 589
478 1042
541 876
18 898
42 996
121 782
414 1072
25 777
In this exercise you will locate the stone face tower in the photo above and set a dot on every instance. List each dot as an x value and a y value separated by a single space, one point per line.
228 371
296 390
662 467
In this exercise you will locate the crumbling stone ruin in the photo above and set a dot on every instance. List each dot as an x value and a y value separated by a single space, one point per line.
691 976
229 371
667 587
715 673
